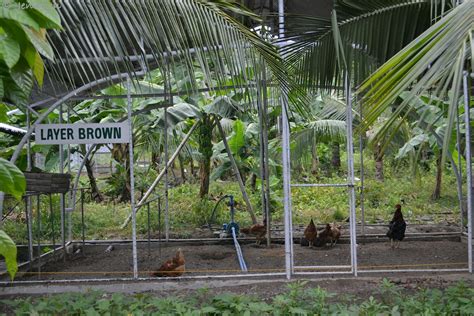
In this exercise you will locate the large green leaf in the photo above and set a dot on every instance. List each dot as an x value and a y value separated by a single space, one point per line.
12 180
8 250
47 10
237 140
39 41
9 50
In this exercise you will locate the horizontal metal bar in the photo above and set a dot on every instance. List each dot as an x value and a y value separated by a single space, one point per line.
323 267
412 270
213 276
322 272
348 185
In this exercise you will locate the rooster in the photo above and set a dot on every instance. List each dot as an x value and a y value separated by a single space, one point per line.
310 233
258 230
173 267
397 227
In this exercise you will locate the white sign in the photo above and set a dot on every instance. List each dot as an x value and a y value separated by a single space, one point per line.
94 133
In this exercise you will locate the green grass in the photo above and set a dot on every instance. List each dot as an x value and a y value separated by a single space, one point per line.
297 299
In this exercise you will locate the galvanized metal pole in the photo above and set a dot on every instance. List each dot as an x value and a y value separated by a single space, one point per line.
83 232
53 231
350 176
38 231
362 176
29 215
70 206
289 259
267 160
468 170
62 198
167 92
459 183
132 183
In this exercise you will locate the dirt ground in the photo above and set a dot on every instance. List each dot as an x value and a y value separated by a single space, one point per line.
220 259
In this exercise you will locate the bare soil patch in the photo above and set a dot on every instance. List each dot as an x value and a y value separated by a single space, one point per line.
221 259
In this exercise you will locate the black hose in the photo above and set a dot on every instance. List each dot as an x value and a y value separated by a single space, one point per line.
213 214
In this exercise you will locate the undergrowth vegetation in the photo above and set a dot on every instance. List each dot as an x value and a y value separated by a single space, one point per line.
297 299
187 211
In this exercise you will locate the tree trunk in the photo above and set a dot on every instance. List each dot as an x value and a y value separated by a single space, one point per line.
96 195
120 152
314 160
191 168
253 182
181 168
439 173
205 148
336 156
378 157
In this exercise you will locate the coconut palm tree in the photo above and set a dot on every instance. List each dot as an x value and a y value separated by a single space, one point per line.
431 64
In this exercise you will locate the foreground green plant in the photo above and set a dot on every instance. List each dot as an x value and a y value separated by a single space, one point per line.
296 300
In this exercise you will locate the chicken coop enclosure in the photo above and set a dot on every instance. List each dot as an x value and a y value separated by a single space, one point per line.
220 252
361 249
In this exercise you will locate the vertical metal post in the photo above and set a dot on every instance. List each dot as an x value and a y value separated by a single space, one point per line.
148 228
70 206
38 231
132 182
29 213
51 215
468 170
62 201
167 99
286 161
350 175
159 228
362 175
265 160
83 231
29 225
459 183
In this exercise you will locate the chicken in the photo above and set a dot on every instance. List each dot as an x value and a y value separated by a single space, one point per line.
173 267
335 233
258 230
325 236
310 233
397 227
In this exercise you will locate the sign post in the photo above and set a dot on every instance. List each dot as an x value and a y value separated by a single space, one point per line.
93 133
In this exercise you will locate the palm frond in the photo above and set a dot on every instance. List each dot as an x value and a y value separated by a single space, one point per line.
369 39
101 38
432 64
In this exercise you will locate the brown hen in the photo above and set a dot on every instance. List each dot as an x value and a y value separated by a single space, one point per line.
335 233
173 267
310 233
257 230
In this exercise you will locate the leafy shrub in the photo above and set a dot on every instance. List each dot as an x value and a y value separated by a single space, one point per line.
297 300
